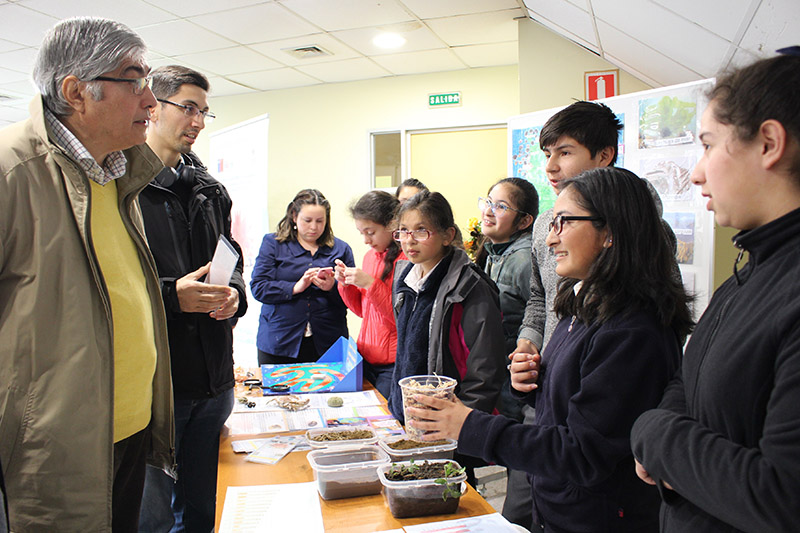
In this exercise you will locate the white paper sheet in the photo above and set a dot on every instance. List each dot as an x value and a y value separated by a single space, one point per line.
259 508
223 263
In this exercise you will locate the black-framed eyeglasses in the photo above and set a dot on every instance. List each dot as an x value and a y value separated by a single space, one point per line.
557 224
417 234
139 84
192 110
497 209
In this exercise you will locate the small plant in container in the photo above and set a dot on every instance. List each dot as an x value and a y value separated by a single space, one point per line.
421 489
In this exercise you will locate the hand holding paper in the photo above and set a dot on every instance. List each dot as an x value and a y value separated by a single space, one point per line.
197 297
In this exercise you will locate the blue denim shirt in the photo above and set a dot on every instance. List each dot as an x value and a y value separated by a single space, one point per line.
284 315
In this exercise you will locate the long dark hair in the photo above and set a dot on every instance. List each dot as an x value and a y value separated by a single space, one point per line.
636 272
525 198
379 207
287 229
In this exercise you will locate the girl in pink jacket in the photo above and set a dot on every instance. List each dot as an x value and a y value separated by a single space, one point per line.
367 291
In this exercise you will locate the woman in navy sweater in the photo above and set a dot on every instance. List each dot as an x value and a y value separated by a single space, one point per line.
609 359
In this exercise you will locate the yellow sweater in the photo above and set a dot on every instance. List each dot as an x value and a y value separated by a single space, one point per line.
134 346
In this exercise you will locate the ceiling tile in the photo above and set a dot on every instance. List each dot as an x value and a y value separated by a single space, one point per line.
224 87
577 3
420 62
723 17
656 66
677 37
488 55
348 14
346 70
277 49
417 38
429 9
775 25
555 28
20 60
236 60
22 25
742 58
267 80
7 46
564 15
190 8
133 13
255 24
179 37
497 27
12 114
23 89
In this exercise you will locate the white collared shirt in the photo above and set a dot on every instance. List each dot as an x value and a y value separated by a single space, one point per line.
415 280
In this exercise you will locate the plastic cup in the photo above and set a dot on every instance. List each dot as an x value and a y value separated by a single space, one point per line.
440 387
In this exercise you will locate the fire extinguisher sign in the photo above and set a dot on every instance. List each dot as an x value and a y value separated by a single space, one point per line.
601 84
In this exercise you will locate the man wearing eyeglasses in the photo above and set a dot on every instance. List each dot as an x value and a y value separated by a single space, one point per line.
84 360
185 211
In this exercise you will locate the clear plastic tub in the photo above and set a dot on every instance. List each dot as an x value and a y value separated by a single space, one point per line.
316 444
421 497
439 451
441 387
347 472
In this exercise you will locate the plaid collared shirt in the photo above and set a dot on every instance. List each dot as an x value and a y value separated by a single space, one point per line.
113 167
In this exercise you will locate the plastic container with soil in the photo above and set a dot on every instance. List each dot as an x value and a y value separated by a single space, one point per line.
422 497
404 448
349 436
440 387
347 473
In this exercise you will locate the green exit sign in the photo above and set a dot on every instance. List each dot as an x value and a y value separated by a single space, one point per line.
443 99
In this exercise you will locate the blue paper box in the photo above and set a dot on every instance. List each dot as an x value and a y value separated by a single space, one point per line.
340 369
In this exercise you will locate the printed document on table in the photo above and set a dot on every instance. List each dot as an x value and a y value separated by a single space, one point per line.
489 523
288 507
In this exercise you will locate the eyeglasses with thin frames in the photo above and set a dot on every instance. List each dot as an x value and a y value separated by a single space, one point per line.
557 224
192 110
418 234
497 209
139 84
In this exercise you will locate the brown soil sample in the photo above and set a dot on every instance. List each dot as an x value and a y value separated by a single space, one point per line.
424 470
353 434
409 444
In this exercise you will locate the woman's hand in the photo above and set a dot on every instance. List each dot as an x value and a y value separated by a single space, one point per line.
443 420
305 280
352 276
338 270
324 278
524 370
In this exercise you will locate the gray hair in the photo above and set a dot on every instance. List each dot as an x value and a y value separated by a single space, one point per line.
85 47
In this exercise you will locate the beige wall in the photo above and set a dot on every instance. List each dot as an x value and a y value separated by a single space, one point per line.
551 69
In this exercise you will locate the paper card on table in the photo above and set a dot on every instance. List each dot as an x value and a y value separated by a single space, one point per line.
289 507
274 449
247 445
490 523
223 263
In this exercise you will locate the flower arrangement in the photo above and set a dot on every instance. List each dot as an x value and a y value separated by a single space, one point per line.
474 237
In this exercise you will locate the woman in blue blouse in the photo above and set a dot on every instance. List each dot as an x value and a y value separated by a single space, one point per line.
303 314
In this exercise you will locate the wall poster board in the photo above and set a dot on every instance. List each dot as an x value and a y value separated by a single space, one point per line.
658 143
239 161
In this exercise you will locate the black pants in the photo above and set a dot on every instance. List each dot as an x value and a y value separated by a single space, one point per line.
129 469
308 354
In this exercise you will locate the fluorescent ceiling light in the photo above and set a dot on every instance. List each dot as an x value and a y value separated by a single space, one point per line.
388 40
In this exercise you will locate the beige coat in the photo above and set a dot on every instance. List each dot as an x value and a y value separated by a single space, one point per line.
56 335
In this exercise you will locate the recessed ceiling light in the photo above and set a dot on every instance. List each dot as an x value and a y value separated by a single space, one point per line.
388 40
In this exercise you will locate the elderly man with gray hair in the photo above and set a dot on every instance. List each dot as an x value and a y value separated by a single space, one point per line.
85 391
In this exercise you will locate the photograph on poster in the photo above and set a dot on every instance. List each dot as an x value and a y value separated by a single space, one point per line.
529 163
670 176
667 121
682 225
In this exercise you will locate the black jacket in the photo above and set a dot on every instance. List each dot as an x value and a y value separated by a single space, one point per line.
726 435
201 348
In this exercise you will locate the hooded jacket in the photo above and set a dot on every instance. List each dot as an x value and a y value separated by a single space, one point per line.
726 435
201 347
56 335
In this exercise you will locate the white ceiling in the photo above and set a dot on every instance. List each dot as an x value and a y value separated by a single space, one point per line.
241 44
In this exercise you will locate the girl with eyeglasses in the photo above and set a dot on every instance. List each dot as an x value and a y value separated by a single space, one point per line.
446 309
367 291
615 348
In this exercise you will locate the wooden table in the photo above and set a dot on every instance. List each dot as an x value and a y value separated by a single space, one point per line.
365 514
